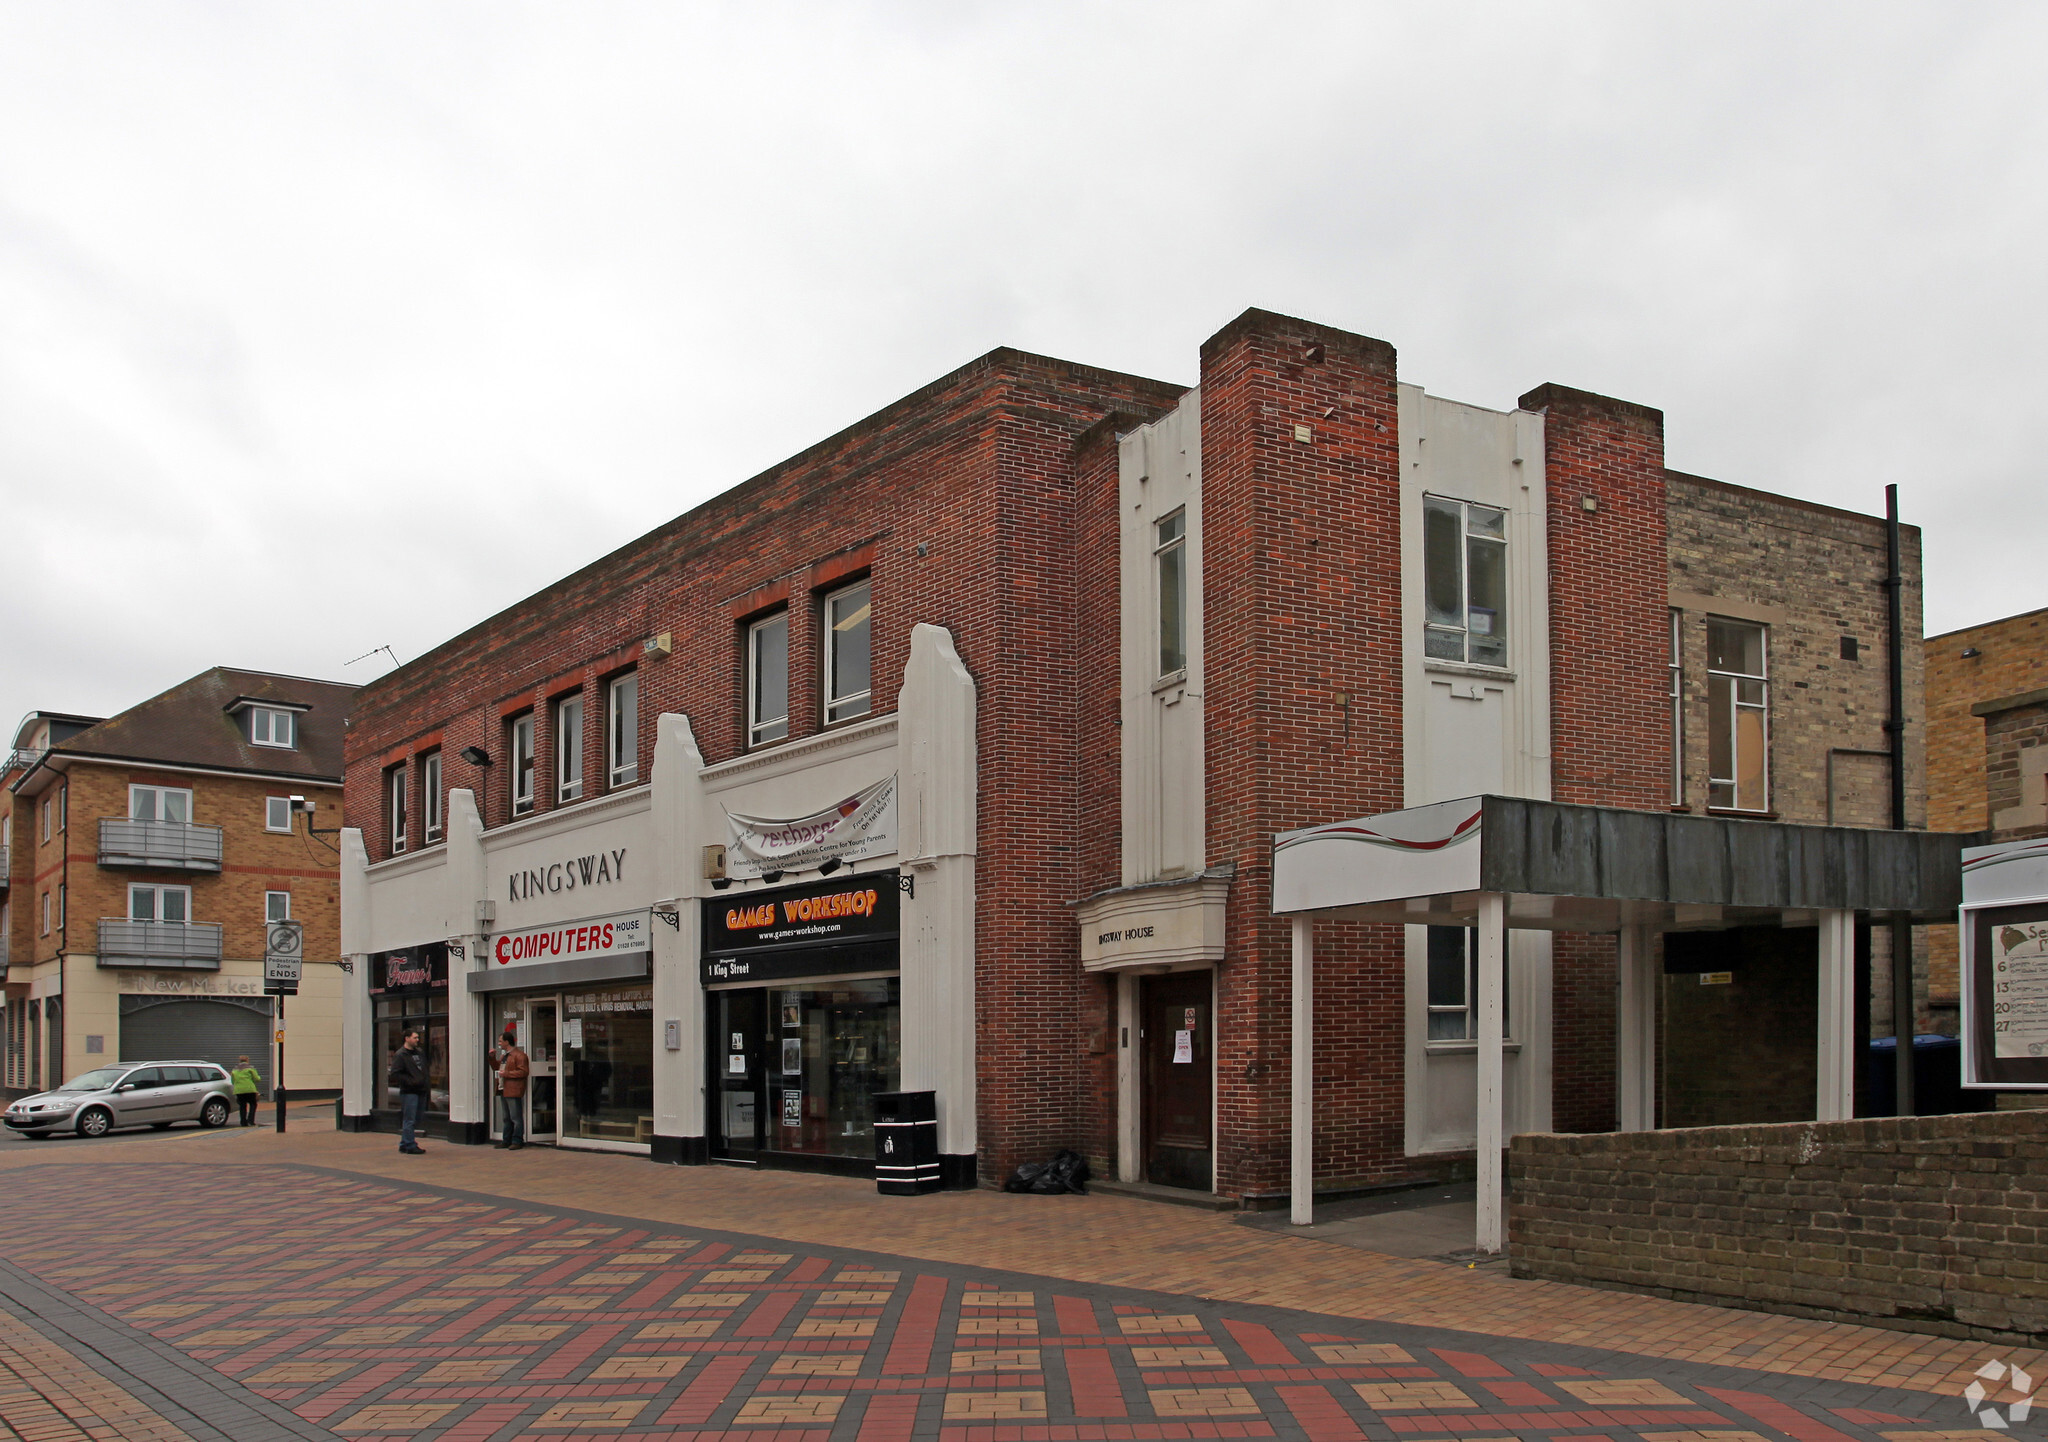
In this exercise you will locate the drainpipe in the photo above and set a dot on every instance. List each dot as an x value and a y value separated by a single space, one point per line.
1895 732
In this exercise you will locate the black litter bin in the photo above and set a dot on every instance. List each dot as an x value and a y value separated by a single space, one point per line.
906 1143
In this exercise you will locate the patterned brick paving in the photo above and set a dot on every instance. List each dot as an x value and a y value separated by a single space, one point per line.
378 1309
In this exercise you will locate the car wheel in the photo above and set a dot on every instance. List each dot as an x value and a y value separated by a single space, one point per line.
214 1113
95 1122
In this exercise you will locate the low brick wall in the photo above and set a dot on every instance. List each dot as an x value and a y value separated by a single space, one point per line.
1930 1224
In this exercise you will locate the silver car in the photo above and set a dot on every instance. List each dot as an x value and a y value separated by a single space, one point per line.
133 1094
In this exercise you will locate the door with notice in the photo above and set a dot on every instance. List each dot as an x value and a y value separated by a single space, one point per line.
1176 1036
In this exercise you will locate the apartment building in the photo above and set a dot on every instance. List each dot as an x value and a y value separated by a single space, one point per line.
149 852
949 755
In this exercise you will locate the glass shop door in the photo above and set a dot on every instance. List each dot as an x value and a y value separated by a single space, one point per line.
738 1056
543 1106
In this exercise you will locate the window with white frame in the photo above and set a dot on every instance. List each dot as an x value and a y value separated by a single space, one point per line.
270 726
395 817
622 730
63 897
1738 716
159 803
1454 984
1677 708
1464 581
430 797
48 807
46 914
1170 565
277 813
64 806
521 776
169 904
768 679
569 748
847 628
277 906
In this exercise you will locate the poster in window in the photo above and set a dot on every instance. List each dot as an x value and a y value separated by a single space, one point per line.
736 1065
1183 1046
792 1056
792 1014
793 1109
2019 989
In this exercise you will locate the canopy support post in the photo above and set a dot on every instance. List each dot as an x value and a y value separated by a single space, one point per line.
1835 1098
1636 1067
1493 910
1301 1162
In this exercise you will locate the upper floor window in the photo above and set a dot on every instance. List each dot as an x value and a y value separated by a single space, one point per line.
46 914
847 627
1464 582
277 906
64 805
768 679
622 730
269 726
1454 984
520 777
63 890
569 748
1170 552
159 803
1677 670
277 813
430 797
394 806
48 808
1738 716
160 903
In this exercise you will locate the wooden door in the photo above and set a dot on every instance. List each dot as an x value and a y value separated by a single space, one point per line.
1177 1041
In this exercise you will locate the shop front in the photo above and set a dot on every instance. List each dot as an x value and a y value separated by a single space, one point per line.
409 992
579 997
804 1021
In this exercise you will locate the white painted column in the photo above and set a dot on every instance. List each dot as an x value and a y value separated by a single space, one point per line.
1130 1166
1493 916
675 783
463 885
1635 1069
1302 1178
360 1067
1835 1098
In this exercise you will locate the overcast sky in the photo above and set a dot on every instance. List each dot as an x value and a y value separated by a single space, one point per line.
325 327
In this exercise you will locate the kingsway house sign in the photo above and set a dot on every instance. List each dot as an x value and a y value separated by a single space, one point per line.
600 868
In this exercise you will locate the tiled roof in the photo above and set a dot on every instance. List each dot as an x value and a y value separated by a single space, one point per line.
190 725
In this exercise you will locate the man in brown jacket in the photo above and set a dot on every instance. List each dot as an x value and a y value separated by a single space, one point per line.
512 1067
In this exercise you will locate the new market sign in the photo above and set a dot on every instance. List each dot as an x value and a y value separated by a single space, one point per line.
864 824
823 928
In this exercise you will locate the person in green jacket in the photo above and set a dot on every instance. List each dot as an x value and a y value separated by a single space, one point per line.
247 1084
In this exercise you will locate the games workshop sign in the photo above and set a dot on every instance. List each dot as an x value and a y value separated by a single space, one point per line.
841 924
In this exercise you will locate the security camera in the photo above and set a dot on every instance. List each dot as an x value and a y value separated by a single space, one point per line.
300 803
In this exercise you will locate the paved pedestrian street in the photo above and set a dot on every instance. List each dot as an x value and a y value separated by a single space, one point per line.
245 1286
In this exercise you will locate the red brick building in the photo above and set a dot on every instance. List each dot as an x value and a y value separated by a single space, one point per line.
948 755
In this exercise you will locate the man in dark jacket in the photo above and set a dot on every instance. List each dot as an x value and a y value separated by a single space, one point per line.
409 1075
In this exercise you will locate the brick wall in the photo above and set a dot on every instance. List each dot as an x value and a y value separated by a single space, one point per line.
959 502
2012 657
1301 583
1927 1224
2015 776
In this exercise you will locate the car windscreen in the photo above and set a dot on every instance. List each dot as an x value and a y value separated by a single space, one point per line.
94 1081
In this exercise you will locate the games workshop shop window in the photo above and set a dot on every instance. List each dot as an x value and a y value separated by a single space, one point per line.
768 679
847 629
1464 582
1738 716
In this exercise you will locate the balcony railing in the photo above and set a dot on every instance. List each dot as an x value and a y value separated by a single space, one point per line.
191 944
24 757
177 845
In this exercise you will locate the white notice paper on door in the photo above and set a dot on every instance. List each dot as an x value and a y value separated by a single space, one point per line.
572 1032
1183 1046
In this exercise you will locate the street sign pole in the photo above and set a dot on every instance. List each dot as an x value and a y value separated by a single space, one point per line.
283 951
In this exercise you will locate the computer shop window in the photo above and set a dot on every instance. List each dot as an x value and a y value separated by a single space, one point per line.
1738 716
430 797
569 748
622 730
847 615
1464 582
768 679
1170 565
519 778
394 807
1454 985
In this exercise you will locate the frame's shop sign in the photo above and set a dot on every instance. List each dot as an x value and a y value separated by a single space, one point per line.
415 969
620 935
846 923
864 824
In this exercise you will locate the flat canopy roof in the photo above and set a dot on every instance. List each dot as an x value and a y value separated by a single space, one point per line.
1599 868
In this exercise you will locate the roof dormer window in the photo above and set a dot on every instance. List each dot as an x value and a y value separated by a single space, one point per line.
269 726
